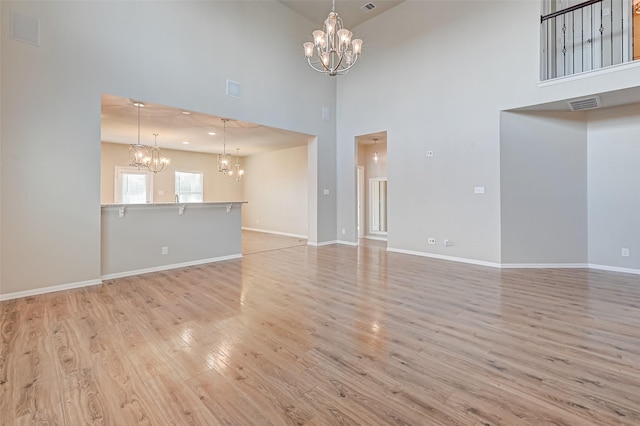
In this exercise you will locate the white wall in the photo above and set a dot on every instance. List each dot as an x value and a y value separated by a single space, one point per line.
614 186
276 189
543 172
439 84
217 187
169 53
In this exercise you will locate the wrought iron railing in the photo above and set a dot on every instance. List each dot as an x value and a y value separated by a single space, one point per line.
585 36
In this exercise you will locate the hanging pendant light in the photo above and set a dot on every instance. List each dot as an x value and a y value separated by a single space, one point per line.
337 53
156 163
239 172
224 159
375 153
138 152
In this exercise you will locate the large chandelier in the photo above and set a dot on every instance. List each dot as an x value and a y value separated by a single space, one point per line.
138 152
224 159
337 53
156 163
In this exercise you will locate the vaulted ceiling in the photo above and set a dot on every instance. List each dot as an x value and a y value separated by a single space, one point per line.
352 12
190 130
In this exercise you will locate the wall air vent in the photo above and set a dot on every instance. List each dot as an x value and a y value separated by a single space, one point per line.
585 103
368 7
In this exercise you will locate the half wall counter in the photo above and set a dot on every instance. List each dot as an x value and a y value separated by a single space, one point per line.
141 238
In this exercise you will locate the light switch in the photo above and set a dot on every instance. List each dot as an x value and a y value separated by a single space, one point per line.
325 192
478 190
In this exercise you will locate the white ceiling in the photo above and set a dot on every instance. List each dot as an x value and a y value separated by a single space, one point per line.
350 11
120 125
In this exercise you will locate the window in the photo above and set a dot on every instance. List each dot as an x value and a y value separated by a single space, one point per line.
133 186
189 187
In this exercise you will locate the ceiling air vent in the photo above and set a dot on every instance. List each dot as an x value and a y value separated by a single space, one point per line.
368 7
585 103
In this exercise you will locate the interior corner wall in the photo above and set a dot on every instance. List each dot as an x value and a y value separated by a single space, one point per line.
433 102
543 181
276 188
170 54
614 186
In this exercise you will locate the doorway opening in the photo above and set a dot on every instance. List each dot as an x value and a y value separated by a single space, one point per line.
371 186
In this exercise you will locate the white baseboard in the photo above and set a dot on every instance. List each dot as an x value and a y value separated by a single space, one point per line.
167 267
264 231
614 269
44 290
443 257
373 237
324 243
544 265
347 243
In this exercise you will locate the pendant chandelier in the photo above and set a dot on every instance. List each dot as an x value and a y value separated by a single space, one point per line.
224 159
238 172
375 153
145 156
336 52
156 163
138 152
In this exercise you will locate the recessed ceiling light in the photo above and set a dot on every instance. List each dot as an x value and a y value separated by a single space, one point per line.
185 142
186 112
212 133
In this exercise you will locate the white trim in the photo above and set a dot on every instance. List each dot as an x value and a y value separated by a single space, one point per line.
614 269
44 290
591 73
371 237
172 266
324 243
544 266
347 243
443 257
264 231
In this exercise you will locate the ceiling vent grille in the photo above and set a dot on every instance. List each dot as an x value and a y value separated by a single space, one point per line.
585 103
368 7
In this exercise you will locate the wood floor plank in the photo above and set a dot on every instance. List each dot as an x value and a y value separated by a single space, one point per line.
293 334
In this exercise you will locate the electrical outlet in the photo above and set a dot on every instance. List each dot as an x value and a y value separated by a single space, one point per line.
165 250
432 240
429 153
344 231
625 252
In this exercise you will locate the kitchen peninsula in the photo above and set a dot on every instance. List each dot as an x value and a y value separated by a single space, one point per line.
141 238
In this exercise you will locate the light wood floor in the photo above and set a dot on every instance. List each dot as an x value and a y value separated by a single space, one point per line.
333 335
255 242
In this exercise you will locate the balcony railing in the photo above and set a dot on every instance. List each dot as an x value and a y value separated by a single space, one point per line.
585 36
